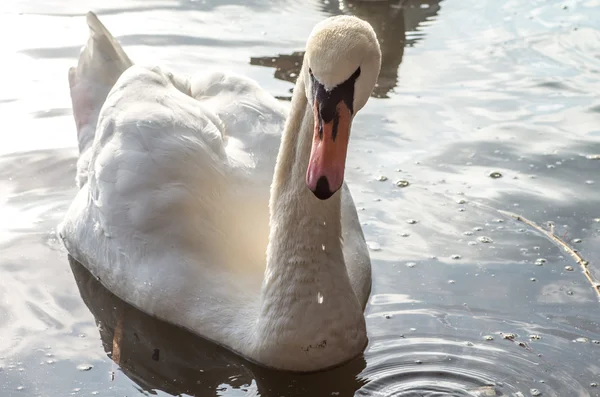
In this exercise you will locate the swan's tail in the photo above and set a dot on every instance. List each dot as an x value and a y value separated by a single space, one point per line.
101 62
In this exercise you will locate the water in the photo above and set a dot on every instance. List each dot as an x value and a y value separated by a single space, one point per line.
482 106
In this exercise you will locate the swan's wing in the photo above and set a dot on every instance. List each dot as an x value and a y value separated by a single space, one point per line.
164 164
156 155
100 64
152 218
356 252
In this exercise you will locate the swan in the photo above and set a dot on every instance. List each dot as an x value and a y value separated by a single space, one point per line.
200 204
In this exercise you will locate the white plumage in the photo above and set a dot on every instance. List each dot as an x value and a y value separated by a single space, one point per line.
173 213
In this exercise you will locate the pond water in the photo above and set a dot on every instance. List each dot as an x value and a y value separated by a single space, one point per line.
482 107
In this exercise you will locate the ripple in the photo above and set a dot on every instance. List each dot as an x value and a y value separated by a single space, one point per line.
436 367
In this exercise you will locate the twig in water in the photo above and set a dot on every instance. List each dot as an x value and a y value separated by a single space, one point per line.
550 234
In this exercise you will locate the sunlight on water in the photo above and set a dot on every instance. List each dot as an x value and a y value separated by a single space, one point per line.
480 107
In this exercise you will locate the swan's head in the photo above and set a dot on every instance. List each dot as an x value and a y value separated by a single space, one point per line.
341 67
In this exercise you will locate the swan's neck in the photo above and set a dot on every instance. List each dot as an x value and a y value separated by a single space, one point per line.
308 307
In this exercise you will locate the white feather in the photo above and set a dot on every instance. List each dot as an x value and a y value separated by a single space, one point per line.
173 212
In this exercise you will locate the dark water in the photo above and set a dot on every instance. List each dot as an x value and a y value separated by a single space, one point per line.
466 300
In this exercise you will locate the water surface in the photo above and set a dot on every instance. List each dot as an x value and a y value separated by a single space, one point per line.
466 300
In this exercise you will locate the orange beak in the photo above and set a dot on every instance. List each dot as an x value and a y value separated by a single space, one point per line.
325 173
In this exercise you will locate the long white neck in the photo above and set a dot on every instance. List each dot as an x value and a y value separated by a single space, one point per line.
309 314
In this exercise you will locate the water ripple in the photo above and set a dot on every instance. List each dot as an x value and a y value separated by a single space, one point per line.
435 367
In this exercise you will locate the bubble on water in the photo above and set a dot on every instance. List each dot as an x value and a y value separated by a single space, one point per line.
488 337
484 239
495 175
532 279
509 336
404 234
477 228
468 233
20 388
373 246
593 156
461 201
577 240
535 337
469 343
569 268
589 182
582 340
402 183
382 178
455 256
412 221
451 281
418 362
569 292
411 264
535 392
540 261
596 342
84 367
471 243
593 384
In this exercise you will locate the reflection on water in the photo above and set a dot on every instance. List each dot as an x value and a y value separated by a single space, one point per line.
465 302
147 354
390 19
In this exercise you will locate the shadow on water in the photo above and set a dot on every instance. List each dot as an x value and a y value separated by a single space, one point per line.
145 351
390 20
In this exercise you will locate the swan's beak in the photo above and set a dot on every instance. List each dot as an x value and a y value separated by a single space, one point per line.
325 173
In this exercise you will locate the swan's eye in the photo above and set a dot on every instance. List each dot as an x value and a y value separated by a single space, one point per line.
328 100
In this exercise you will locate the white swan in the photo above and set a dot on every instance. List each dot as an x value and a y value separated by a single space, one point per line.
175 215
